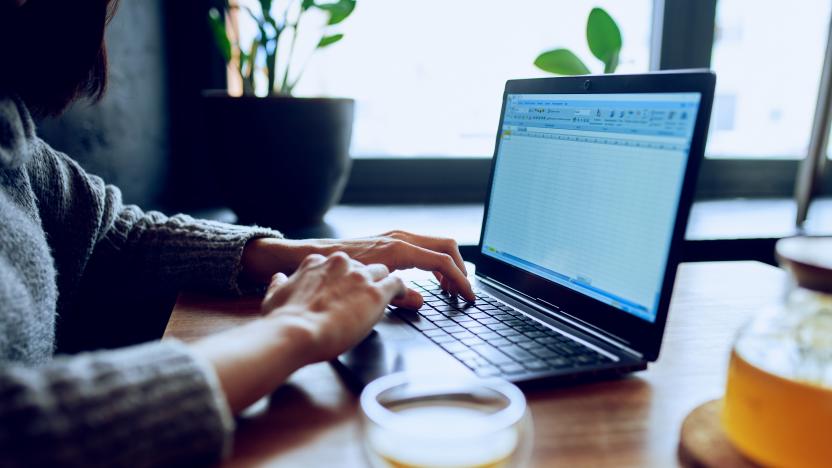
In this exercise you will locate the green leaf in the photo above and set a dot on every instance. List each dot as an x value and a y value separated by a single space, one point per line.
604 38
220 37
561 62
307 4
329 40
338 11
266 7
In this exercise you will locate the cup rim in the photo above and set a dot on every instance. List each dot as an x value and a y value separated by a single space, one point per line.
503 418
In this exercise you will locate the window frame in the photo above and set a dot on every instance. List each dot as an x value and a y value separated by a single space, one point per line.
682 38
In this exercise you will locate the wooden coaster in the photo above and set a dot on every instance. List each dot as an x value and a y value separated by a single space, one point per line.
703 443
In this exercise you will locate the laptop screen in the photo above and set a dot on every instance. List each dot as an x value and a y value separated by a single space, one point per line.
586 188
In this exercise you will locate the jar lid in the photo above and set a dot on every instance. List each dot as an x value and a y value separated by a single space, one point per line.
809 259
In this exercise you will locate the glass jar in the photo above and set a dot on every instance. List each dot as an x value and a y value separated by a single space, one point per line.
778 402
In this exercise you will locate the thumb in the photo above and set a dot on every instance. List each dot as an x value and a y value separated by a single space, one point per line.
278 280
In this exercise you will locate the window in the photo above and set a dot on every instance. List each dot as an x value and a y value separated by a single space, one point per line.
427 77
768 75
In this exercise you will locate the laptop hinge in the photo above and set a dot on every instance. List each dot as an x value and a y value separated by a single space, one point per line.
555 312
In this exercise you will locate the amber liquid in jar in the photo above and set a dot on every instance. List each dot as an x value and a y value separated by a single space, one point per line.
778 402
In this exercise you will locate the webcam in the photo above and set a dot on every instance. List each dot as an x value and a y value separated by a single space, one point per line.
587 84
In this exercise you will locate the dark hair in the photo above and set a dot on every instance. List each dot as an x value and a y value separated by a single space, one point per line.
53 51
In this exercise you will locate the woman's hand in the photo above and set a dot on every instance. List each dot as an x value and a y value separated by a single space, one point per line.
397 250
328 306
331 302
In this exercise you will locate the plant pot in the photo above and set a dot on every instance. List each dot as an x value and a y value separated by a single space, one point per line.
283 161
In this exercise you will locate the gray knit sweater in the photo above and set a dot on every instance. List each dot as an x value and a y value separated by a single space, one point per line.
153 404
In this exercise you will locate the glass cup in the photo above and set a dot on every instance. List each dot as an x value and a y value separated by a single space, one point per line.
410 421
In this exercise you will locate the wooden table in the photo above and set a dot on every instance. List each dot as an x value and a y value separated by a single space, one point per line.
312 420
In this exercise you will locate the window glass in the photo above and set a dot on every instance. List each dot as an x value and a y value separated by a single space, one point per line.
768 57
428 76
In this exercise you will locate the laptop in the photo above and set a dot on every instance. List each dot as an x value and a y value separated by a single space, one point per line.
591 185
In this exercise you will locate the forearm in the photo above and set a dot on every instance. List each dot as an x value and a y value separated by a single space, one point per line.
89 409
254 359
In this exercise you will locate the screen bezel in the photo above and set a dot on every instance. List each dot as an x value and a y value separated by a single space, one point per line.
638 334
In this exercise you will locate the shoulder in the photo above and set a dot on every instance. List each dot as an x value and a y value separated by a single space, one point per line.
17 133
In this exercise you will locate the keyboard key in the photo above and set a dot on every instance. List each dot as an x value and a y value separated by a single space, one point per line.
444 323
462 319
453 329
512 368
433 316
507 333
488 336
558 362
472 341
548 339
544 353
473 326
498 326
477 329
489 371
491 353
500 342
465 354
479 315
443 339
536 364
454 347
463 334
423 325
489 321
518 353
476 362
528 345
434 332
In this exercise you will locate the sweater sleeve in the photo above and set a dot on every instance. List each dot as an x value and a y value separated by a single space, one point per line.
154 404
176 251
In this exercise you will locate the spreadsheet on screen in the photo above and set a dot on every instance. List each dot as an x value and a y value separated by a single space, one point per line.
586 188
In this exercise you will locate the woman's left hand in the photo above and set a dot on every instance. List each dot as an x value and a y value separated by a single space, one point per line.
398 250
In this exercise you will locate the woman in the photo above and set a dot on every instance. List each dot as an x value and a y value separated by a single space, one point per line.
161 402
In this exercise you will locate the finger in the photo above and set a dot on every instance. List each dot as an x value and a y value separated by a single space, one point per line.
338 262
312 260
425 259
437 244
444 285
392 287
438 276
277 281
412 300
376 271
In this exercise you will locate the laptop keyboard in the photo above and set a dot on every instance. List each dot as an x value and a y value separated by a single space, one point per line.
493 339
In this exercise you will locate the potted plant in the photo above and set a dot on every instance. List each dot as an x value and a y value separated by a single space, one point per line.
604 40
286 159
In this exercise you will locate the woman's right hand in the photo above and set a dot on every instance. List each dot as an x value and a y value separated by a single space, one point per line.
331 303
326 307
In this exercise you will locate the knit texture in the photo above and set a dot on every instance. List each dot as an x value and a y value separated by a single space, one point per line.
145 405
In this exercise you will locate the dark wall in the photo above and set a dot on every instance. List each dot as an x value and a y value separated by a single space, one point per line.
145 135
125 138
